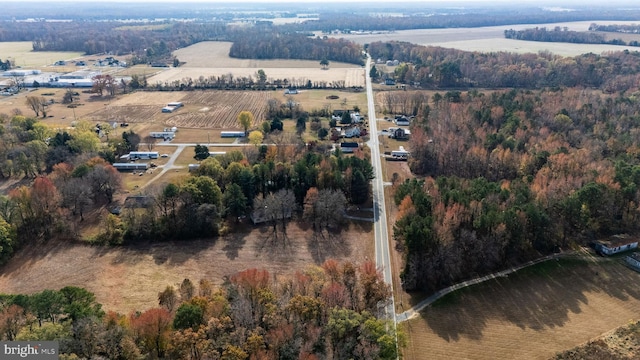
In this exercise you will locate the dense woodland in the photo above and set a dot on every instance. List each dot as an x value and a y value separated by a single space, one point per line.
513 175
435 67
563 35
327 312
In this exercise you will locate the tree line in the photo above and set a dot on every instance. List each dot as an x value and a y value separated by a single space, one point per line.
278 45
146 45
435 67
267 180
619 28
435 19
328 311
563 35
513 175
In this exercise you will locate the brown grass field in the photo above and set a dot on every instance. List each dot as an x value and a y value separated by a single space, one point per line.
621 343
129 278
532 314
22 54
218 63
491 39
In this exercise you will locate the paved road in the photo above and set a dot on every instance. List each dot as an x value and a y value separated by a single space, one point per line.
169 165
383 259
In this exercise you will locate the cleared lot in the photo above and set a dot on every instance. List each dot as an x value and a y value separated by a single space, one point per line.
218 63
491 39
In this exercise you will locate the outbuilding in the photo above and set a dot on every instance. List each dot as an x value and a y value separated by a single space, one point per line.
616 244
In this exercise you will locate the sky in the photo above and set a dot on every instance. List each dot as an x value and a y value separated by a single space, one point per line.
577 3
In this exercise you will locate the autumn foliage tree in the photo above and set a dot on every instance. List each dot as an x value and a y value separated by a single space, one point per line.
152 330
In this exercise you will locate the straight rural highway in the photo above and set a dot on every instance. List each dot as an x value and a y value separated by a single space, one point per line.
383 257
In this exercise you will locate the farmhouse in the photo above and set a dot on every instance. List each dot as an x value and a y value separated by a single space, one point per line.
216 153
389 81
291 91
353 131
193 167
399 133
616 244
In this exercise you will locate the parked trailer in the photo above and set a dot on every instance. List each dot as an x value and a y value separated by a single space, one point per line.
175 104
167 135
216 153
130 166
232 134
400 154
143 155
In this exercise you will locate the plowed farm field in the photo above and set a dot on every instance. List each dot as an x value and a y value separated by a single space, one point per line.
202 109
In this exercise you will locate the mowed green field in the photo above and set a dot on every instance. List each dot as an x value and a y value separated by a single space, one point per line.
532 314
22 54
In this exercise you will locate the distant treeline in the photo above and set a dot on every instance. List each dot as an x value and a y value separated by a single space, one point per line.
435 67
431 19
145 44
275 45
620 28
563 35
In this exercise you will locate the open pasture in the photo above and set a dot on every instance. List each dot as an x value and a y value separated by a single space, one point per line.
532 314
128 278
218 63
22 54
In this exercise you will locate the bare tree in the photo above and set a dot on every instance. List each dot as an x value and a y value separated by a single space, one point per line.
276 206
76 195
37 104
325 208
150 142
17 81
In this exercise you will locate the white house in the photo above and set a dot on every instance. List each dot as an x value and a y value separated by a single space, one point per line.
353 131
616 244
